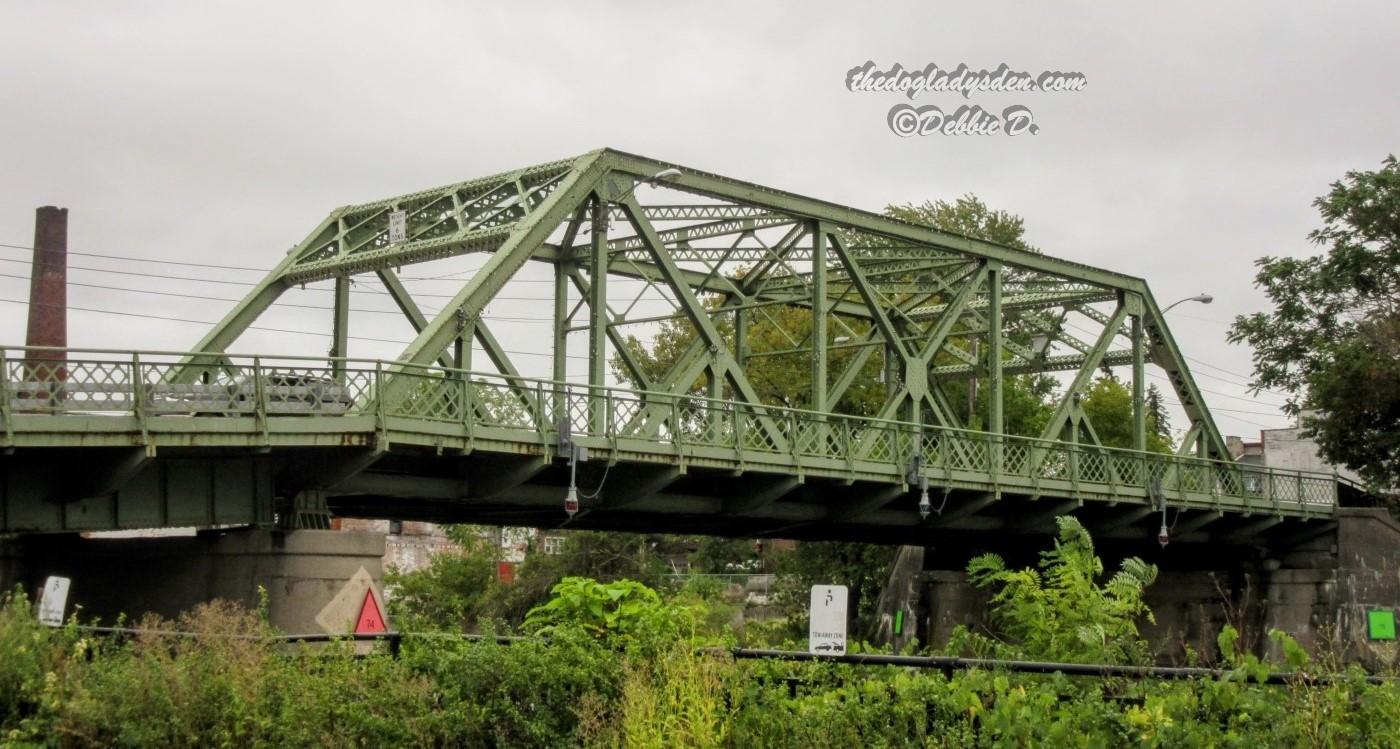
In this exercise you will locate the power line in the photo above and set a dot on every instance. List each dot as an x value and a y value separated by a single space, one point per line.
279 303
140 259
1202 374
444 277
254 327
1245 383
141 274
247 283
1217 392
191 264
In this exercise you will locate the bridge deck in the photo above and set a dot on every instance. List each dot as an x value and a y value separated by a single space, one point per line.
255 405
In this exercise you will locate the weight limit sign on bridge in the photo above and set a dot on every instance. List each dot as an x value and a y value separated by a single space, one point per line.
826 633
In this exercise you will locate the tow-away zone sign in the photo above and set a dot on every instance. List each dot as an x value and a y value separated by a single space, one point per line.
826 633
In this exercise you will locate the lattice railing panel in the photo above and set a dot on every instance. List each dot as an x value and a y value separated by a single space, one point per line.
247 386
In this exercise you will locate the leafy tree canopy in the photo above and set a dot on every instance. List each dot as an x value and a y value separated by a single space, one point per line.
1332 340
1109 406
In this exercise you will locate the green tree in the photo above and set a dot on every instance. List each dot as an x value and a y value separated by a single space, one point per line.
967 215
1332 340
1109 406
455 591
862 568
1158 420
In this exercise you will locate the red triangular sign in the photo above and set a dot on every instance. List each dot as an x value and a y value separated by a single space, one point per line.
371 622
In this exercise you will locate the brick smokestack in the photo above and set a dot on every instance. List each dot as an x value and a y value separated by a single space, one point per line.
48 284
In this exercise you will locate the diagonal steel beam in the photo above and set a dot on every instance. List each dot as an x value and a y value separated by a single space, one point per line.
410 309
1084 375
525 239
872 300
253 304
521 244
721 359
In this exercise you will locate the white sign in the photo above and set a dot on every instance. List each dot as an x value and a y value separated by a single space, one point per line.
53 601
398 226
826 634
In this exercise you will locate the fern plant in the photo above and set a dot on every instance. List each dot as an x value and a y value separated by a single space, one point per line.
1059 611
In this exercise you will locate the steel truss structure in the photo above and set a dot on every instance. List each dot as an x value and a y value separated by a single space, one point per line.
922 299
928 309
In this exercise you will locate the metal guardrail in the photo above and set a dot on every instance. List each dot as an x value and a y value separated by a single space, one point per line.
688 428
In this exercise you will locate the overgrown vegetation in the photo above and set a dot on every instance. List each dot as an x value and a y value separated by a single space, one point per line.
618 665
1060 612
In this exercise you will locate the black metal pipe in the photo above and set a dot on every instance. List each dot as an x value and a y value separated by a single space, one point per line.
953 663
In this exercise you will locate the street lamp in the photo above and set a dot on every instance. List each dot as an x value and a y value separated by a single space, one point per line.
1202 298
1164 534
665 175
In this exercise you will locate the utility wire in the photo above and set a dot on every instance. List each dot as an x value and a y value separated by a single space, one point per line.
444 277
1217 392
229 282
191 264
202 297
141 259
253 327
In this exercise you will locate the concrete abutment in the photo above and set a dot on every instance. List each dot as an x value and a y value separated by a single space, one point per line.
1320 593
315 581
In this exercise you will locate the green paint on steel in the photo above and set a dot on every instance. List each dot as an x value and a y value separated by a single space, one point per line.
931 307
277 403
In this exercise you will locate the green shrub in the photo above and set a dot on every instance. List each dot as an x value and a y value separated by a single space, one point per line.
1059 612
532 693
623 612
619 668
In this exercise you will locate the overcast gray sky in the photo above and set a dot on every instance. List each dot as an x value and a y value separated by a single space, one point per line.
223 132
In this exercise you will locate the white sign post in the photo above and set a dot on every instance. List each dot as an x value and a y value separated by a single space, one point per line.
398 226
53 601
826 633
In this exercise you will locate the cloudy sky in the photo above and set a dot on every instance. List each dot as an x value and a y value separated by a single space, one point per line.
221 133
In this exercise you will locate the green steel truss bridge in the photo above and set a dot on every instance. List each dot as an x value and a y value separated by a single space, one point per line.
451 429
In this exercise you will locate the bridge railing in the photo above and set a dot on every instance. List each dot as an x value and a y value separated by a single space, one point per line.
158 384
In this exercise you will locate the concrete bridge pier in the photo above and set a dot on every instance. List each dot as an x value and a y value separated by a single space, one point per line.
315 580
1321 591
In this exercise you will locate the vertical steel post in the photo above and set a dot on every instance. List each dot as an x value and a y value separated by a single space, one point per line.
461 362
819 352
1139 398
561 322
560 372
5 400
138 396
714 394
340 327
598 315
996 421
741 336
891 365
